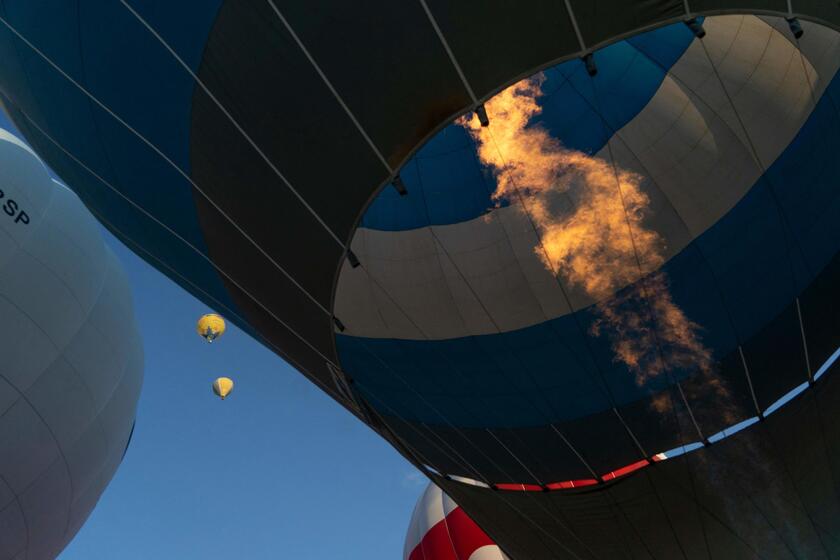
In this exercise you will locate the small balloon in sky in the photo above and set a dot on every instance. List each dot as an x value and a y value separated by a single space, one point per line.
210 326
223 387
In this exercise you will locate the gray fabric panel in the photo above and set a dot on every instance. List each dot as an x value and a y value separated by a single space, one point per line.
514 530
738 5
389 67
498 40
768 492
259 74
602 20
822 9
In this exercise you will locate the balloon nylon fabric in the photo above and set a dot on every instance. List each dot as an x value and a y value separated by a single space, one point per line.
440 530
72 359
172 174
480 382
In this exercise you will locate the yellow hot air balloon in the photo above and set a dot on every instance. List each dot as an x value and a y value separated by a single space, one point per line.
211 326
223 386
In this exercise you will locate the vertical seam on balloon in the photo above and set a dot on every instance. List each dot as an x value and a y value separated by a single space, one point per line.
728 313
604 387
617 132
456 429
448 50
444 418
753 154
397 306
22 249
620 508
786 230
22 513
61 456
60 356
797 493
814 102
540 305
826 92
233 121
443 496
804 341
678 486
690 411
439 413
496 494
575 451
451 454
489 316
437 242
512 454
772 192
749 381
167 160
627 429
510 244
771 33
690 472
332 89
642 278
364 250
829 362
89 391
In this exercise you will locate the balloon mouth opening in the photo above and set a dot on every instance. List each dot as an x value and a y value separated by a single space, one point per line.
209 333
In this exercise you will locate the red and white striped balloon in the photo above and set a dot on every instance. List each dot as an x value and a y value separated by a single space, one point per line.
440 530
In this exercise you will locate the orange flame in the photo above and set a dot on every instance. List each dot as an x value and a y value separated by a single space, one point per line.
590 244
649 341
590 219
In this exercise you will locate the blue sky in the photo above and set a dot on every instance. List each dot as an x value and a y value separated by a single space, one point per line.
278 470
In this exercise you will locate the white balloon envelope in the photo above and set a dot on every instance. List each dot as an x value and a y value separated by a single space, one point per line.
71 359
440 530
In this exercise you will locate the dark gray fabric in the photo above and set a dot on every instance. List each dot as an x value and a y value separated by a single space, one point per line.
390 66
497 40
768 492
604 20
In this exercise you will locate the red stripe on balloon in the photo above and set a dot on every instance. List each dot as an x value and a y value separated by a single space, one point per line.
519 487
455 537
571 484
467 537
435 545
626 470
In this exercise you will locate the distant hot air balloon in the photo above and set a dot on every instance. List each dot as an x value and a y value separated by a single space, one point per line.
440 530
222 387
71 360
210 326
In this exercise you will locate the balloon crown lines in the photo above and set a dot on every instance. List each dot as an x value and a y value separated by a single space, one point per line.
663 456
